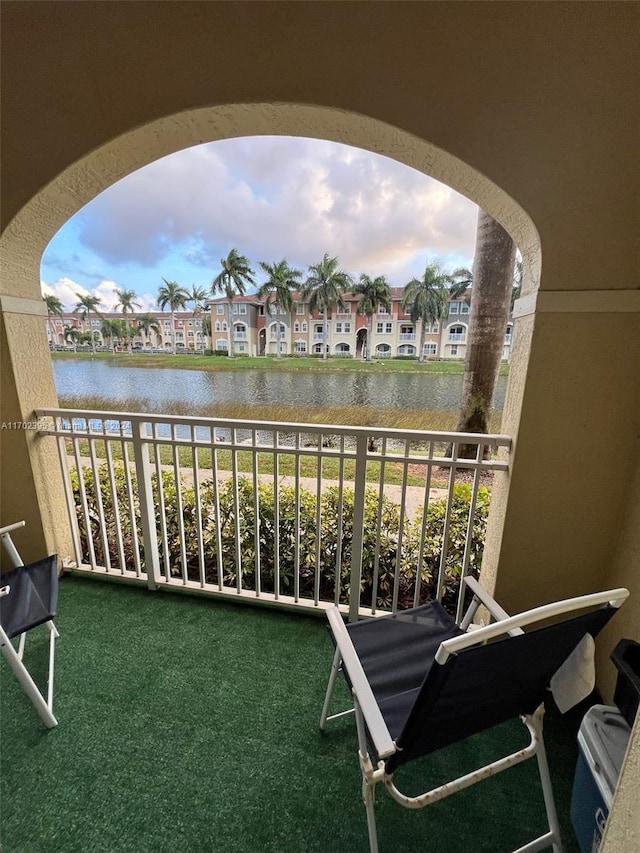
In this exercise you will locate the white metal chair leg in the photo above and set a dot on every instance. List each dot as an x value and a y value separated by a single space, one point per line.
30 687
547 790
369 800
335 668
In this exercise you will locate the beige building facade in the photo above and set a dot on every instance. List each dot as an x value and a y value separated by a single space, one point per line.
529 109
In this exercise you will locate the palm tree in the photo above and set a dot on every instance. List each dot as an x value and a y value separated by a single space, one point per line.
148 324
325 286
199 296
236 273
375 294
111 329
71 335
128 306
85 306
425 299
54 306
277 291
493 285
175 296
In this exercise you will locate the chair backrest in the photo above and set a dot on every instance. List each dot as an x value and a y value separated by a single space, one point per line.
31 596
485 685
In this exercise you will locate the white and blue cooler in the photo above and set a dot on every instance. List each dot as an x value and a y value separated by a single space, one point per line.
602 741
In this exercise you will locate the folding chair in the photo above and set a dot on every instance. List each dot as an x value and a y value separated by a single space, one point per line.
421 682
28 598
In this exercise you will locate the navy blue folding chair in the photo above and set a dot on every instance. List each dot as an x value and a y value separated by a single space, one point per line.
421 682
28 598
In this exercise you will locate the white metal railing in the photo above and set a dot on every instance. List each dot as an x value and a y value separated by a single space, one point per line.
296 515
407 336
457 337
318 336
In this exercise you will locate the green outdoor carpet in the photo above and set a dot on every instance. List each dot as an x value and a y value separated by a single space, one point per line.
192 725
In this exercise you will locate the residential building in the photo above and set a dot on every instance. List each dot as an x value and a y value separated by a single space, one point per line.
394 334
190 331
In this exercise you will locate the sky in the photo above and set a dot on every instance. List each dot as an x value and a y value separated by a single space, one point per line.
268 197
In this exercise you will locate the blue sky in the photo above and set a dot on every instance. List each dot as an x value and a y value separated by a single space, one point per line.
269 197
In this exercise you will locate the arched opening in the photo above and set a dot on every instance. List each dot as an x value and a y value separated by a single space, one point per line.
32 228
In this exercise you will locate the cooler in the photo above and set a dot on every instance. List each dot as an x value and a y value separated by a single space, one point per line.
602 742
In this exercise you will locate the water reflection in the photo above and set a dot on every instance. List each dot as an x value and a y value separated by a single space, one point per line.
155 388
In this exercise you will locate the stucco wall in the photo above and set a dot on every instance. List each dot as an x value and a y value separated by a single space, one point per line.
536 105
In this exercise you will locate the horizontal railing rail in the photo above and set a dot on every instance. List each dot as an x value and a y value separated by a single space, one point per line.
297 515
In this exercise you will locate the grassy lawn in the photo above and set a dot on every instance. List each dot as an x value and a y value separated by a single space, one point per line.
203 362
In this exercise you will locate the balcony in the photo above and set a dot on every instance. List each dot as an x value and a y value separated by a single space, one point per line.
407 336
188 725
456 338
318 336
347 316
239 336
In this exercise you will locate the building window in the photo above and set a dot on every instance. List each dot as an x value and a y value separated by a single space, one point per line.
219 309
406 349
300 308
198 324
388 328
343 328
167 323
430 349
240 308
221 344
383 350
454 349
343 349
218 327
464 308
225 327
453 308
435 328
190 322
189 334
296 326
379 328
300 346
304 327
241 347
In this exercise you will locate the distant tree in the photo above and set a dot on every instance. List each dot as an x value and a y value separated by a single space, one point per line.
71 335
232 281
111 329
277 291
493 285
176 297
86 306
127 306
54 306
199 296
375 294
148 324
426 299
325 287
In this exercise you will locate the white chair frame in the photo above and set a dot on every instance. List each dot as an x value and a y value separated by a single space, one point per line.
14 656
369 719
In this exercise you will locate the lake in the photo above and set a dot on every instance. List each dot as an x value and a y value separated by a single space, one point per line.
155 387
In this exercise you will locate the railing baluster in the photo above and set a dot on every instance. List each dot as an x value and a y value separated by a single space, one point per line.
84 503
216 509
358 525
256 515
276 516
316 580
340 524
236 507
131 498
296 552
166 558
403 504
198 511
68 493
464 570
447 519
145 497
423 528
116 505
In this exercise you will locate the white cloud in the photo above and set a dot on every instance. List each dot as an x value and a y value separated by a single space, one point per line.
68 292
272 197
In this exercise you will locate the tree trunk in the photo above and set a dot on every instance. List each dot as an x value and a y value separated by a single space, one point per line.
229 328
422 336
490 301
278 335
369 336
324 335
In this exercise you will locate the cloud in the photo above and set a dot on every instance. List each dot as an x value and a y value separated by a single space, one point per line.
273 197
68 292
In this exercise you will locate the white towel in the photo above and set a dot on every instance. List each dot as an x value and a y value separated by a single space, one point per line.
576 678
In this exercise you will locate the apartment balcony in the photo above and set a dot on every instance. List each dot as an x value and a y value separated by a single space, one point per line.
192 725
407 337
456 338
318 336
343 317
239 336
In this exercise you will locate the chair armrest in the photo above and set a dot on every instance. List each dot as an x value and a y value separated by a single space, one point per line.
376 725
489 602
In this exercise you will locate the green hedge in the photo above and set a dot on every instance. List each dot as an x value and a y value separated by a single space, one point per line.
319 547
